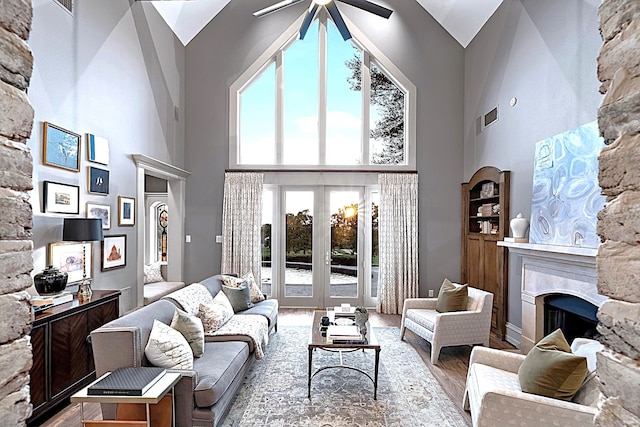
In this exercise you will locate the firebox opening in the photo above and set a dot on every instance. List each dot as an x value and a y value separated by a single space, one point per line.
574 316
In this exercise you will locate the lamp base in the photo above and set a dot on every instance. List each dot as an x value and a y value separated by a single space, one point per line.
84 290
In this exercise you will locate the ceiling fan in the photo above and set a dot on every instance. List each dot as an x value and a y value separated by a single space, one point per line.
331 8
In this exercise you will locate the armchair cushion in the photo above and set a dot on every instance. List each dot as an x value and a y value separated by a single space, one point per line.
550 369
452 297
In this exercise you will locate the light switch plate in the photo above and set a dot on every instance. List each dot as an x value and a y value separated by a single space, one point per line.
218 239
430 293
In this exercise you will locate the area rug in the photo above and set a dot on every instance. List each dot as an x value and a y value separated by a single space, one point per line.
275 391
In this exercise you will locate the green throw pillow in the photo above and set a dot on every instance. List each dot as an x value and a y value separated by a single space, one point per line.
239 297
452 297
550 369
192 330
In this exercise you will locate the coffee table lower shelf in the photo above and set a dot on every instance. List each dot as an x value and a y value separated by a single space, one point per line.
160 389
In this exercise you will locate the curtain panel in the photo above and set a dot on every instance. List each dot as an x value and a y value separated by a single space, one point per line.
398 240
241 221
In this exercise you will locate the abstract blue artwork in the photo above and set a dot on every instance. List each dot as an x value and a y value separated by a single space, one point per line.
566 196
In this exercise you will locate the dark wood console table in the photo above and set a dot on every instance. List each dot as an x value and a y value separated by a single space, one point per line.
62 355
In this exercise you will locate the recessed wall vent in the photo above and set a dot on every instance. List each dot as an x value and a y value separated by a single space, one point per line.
490 118
66 4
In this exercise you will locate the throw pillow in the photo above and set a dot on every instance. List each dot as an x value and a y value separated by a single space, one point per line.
550 369
215 314
152 273
256 292
167 348
240 297
191 297
191 328
452 297
231 281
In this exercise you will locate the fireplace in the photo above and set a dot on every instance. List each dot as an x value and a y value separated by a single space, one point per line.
552 273
574 316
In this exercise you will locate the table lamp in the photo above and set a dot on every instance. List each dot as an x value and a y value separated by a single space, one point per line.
82 230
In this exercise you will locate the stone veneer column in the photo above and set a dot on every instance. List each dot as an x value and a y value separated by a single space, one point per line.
16 121
618 260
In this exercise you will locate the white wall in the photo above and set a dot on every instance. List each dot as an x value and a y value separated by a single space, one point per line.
543 52
411 39
116 70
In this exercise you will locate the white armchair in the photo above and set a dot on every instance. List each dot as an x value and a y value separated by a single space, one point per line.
494 396
468 327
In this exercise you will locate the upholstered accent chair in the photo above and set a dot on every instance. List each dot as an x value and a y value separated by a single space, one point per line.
494 396
467 327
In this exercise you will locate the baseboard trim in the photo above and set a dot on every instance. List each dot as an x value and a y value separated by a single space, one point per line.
514 334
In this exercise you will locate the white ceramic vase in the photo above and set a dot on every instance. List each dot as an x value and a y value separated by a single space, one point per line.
519 226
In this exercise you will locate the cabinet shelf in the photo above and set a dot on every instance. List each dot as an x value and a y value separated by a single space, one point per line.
485 264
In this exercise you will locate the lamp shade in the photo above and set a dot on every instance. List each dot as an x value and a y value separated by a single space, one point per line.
82 229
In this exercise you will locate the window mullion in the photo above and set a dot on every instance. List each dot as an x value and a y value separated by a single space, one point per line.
322 96
279 108
365 81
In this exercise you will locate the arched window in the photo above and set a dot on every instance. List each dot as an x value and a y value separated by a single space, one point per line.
322 103
158 228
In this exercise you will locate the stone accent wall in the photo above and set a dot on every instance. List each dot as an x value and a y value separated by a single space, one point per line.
618 260
16 122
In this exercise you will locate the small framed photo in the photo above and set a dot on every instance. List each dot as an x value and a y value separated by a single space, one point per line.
72 258
103 212
61 198
60 148
126 211
97 149
114 252
98 181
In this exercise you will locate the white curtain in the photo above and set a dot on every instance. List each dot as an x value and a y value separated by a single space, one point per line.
398 240
241 221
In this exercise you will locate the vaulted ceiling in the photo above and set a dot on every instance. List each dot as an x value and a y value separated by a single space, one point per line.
461 18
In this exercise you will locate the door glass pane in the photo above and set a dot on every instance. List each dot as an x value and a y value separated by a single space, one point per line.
298 247
265 238
344 102
375 248
258 120
300 65
386 136
344 243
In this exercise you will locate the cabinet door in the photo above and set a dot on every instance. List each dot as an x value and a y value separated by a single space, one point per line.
475 265
69 356
38 379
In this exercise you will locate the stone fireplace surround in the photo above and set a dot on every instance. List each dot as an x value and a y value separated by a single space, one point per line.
546 270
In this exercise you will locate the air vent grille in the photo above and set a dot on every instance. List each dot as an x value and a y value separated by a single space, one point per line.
491 117
67 4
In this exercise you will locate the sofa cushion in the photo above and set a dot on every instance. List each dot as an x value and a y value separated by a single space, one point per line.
267 308
217 369
239 297
192 330
550 369
423 317
152 273
452 297
216 313
167 348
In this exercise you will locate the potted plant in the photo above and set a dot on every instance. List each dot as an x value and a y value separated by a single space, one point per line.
362 315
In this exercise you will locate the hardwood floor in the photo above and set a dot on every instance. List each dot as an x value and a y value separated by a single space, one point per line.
451 370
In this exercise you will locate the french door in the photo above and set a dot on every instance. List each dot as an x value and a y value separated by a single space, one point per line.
319 245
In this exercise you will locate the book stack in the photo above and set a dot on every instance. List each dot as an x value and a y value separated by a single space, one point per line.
41 303
339 334
127 382
487 209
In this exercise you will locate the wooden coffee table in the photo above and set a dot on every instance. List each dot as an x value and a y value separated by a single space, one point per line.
317 341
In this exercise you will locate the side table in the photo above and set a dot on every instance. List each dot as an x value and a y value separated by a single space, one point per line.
165 384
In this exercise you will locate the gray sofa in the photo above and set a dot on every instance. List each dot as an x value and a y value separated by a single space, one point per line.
204 394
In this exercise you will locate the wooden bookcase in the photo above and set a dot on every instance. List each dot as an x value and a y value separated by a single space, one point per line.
485 264
62 354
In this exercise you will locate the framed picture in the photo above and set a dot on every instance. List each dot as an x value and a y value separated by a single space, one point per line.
103 212
126 211
61 198
98 181
68 257
97 149
60 148
114 252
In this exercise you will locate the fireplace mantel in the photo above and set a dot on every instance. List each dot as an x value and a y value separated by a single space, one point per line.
550 269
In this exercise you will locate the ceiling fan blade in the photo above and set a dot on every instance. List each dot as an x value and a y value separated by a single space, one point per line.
307 20
275 7
337 19
370 7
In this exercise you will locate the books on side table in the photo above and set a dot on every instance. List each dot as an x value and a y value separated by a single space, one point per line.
344 334
127 382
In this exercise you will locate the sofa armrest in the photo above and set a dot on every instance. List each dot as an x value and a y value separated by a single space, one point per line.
184 395
116 348
419 303
499 359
